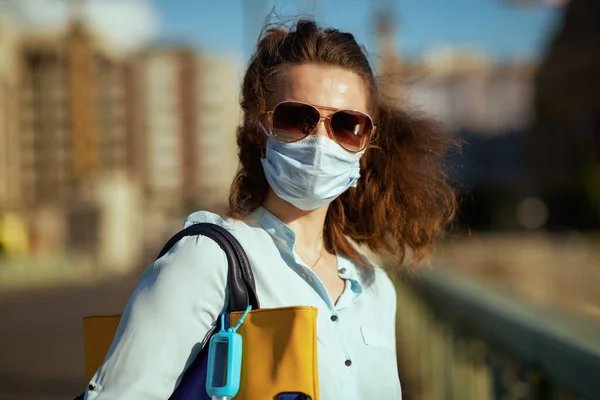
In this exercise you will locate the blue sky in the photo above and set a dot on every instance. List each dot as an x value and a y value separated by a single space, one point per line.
500 30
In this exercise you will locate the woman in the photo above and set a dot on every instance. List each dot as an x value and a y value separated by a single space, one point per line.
323 162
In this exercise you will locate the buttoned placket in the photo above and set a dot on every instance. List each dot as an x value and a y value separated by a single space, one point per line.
315 282
348 298
287 237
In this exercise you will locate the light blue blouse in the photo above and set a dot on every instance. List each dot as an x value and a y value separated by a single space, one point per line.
180 296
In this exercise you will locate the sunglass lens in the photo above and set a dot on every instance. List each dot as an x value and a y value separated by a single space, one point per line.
351 129
294 121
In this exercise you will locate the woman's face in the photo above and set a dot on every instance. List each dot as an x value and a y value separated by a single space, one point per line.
321 86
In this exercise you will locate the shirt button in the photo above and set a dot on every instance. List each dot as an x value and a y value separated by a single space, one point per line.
342 271
348 363
334 318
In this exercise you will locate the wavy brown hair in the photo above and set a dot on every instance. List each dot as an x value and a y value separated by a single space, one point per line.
403 200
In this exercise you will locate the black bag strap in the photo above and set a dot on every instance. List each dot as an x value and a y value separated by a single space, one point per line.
240 279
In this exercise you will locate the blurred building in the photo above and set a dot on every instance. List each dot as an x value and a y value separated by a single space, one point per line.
163 121
185 117
566 152
72 120
162 106
469 92
73 130
215 147
10 190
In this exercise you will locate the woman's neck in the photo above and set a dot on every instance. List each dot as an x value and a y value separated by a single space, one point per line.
308 225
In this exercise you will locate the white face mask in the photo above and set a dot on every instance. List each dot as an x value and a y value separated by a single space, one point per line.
310 173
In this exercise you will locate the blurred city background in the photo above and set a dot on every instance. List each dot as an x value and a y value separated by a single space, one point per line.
118 118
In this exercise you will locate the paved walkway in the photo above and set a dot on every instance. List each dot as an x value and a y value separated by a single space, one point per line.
41 338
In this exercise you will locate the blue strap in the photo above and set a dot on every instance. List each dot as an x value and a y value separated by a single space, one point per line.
240 322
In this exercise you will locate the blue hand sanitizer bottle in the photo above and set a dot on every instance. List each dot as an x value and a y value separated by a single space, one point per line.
225 361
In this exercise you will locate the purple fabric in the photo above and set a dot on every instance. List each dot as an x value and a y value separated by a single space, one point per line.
193 384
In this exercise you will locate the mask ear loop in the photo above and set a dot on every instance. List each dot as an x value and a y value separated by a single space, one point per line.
266 131
372 143
263 122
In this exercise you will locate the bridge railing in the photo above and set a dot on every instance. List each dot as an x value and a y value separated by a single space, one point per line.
458 340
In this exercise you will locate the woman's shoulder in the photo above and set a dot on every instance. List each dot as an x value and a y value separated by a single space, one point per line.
375 278
202 216
198 257
192 264
384 282
381 289
193 250
248 232
232 225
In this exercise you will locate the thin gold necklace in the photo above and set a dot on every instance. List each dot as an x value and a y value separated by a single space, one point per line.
319 258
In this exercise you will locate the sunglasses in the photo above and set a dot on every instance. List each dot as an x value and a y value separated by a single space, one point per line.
291 121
